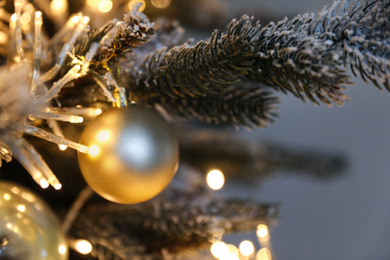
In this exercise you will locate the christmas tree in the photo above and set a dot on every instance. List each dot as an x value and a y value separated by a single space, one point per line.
105 110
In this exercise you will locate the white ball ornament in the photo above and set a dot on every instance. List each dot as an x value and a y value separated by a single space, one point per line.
133 156
28 228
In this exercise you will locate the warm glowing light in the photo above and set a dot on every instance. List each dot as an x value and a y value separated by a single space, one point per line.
15 190
93 3
62 249
21 208
9 225
3 38
57 186
77 119
13 17
43 183
62 147
161 3
75 19
132 3
7 196
98 111
262 231
83 246
94 150
264 254
219 249
28 8
105 6
86 19
25 18
246 248
215 179
103 136
58 6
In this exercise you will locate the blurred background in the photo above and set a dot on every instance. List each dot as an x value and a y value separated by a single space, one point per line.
343 217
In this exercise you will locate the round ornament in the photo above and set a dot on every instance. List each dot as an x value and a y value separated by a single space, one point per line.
28 228
133 156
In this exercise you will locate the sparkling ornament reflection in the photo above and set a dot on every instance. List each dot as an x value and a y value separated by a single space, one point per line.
28 228
133 154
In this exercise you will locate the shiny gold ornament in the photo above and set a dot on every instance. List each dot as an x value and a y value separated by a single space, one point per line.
133 154
28 228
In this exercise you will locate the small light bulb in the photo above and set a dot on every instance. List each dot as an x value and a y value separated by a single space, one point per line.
98 111
215 179
21 208
262 231
25 18
7 196
83 246
62 147
219 249
57 186
246 248
43 183
62 249
86 19
161 3
93 3
94 150
75 19
264 254
58 6
105 6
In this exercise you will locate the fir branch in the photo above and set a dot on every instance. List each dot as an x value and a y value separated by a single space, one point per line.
241 157
310 54
148 229
130 33
183 218
206 68
240 104
307 56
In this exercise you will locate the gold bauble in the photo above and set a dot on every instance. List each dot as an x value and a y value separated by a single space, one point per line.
133 156
28 228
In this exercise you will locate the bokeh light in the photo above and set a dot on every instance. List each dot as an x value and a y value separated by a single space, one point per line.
161 3
246 248
215 179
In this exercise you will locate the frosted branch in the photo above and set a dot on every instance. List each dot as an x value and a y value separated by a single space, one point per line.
35 131
33 162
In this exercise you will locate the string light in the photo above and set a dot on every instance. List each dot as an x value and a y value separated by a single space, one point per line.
93 3
161 3
94 150
264 254
21 208
105 6
83 246
62 249
246 248
132 3
7 196
57 6
62 147
218 249
25 18
3 38
215 179
262 231
43 183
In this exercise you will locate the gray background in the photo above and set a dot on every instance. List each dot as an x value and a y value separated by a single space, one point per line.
345 218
